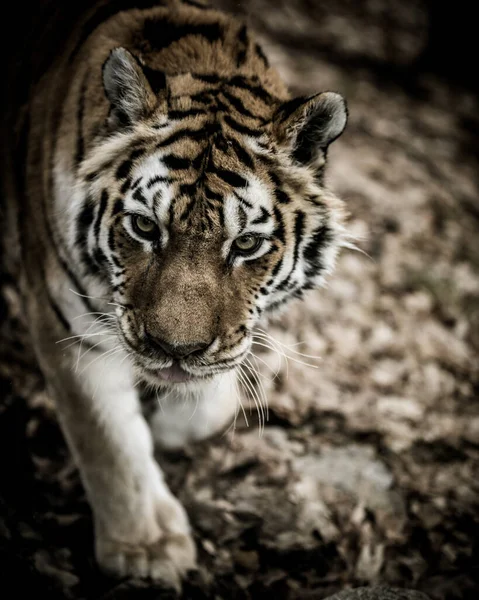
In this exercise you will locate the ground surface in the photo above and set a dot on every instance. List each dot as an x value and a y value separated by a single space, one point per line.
368 470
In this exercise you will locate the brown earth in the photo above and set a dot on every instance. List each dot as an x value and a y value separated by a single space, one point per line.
368 469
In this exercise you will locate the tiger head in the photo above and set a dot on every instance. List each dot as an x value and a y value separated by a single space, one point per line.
212 211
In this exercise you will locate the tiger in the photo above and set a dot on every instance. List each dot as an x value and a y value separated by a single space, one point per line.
171 197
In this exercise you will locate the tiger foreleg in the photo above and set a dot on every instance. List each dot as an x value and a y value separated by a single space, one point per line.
140 527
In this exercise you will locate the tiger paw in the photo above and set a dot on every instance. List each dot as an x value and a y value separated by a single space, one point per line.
167 560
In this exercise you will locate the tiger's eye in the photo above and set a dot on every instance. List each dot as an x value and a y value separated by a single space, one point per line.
246 244
145 227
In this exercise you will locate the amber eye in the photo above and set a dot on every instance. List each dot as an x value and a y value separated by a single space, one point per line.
145 227
247 244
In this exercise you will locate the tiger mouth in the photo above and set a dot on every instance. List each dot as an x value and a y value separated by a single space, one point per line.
173 374
176 373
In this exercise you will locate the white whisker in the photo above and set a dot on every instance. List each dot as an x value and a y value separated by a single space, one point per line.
301 362
255 397
262 391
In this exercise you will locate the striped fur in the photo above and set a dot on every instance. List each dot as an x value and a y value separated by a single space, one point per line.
172 114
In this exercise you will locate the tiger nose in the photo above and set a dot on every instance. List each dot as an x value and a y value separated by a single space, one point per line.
176 350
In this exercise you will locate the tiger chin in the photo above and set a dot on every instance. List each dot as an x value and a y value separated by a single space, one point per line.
172 197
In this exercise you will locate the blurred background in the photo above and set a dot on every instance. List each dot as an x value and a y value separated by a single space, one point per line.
368 470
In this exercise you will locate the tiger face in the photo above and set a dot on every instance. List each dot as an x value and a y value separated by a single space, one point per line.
211 213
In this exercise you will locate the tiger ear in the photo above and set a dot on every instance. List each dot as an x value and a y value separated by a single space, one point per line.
127 88
308 125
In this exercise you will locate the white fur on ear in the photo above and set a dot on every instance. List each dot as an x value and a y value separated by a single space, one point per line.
328 115
126 87
309 125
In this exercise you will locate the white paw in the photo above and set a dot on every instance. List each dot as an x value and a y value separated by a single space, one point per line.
151 540
167 560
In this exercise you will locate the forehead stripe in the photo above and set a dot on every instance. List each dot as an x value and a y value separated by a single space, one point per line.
157 179
242 154
265 215
230 177
139 197
241 108
242 128
183 114
193 134
175 162
242 200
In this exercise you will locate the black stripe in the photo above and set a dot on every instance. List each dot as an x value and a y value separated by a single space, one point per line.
118 207
154 180
242 154
261 55
277 267
175 162
243 46
202 97
160 32
80 146
111 241
183 114
140 197
187 210
243 201
230 177
171 213
197 4
212 195
265 215
199 162
255 90
210 78
208 225
125 167
91 176
281 196
220 106
241 128
48 226
188 189
125 186
99 257
101 212
322 236
243 217
279 232
240 107
298 234
115 261
84 221
194 134
156 78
